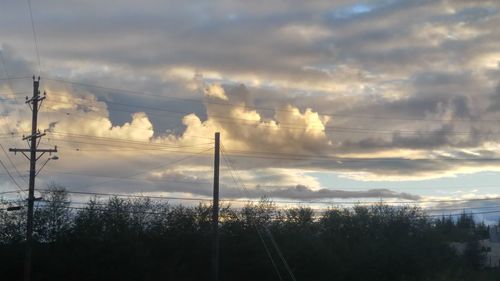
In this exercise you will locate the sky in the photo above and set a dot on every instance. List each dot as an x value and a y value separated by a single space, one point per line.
336 101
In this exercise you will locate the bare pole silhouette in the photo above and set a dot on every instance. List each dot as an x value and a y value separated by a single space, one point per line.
35 102
215 211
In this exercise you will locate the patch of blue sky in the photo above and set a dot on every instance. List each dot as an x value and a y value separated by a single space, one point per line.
363 8
352 11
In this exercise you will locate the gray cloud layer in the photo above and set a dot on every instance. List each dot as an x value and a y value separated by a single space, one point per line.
391 80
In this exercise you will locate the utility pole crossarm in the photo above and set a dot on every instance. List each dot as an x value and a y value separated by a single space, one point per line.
37 135
15 150
38 98
23 150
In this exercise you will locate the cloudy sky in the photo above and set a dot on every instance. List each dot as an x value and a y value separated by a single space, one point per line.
315 100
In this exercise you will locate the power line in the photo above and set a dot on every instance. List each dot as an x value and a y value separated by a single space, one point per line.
292 156
280 254
7 76
12 191
15 94
111 139
342 160
118 147
460 209
262 123
269 186
461 214
13 165
268 252
241 200
369 117
277 248
155 168
126 148
129 146
269 154
135 196
230 200
133 179
35 38
16 78
2 60
317 201
11 177
255 226
393 202
292 201
249 154
218 117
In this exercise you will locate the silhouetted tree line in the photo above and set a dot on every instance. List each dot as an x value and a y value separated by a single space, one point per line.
140 239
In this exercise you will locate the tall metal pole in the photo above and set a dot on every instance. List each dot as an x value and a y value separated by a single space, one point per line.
31 191
34 102
215 211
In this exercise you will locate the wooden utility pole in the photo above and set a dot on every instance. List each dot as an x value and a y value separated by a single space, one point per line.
215 211
35 102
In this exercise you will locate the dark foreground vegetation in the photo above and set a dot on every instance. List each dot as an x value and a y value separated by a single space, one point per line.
121 239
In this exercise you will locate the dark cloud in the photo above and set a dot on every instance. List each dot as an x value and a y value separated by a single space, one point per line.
302 192
495 100
181 183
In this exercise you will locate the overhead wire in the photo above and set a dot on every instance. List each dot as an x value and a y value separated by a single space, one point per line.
266 248
269 255
133 196
35 38
155 168
201 199
16 78
115 147
283 155
11 191
324 128
23 177
248 201
112 139
11 177
120 148
297 201
273 242
242 200
280 253
7 76
121 178
271 186
369 117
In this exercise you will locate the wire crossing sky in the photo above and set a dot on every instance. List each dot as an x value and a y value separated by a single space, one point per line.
393 100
